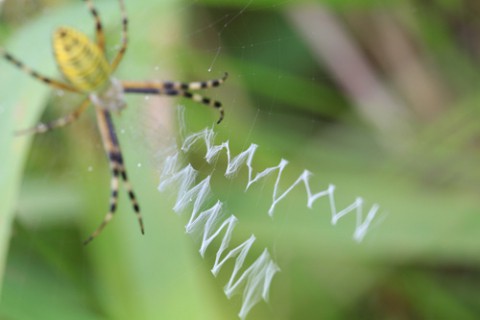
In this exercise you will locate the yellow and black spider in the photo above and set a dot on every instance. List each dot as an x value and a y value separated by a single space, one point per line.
87 71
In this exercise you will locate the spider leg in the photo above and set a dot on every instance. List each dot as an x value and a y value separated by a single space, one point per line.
176 85
60 122
123 48
115 157
178 89
131 195
51 82
187 94
100 36
112 209
200 99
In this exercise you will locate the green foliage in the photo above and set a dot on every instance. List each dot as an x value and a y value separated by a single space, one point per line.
420 258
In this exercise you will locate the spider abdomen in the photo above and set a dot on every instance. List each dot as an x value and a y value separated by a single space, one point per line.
80 60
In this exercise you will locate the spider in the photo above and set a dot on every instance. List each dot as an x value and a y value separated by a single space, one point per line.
84 65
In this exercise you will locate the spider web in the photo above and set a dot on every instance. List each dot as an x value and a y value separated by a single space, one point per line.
280 188
210 217
210 222
240 199
338 185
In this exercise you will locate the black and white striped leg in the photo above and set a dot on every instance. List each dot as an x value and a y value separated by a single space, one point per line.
112 148
60 122
183 89
48 81
100 35
123 48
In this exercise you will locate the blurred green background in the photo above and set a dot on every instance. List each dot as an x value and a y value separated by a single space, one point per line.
379 98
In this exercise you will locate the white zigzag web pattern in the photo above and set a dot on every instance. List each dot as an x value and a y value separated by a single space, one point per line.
212 222
257 277
234 164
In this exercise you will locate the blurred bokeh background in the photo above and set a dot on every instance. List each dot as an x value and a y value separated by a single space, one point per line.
379 98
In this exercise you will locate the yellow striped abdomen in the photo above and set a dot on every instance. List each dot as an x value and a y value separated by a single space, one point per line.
80 60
